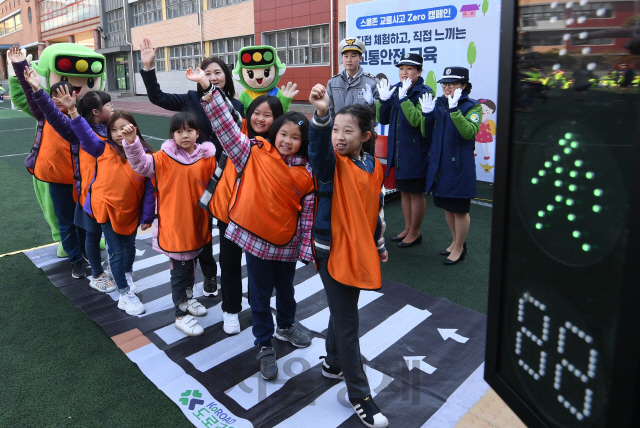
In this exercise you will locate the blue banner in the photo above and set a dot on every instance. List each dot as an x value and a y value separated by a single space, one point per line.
422 16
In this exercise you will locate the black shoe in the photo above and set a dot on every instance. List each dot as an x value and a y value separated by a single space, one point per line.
397 238
369 413
268 366
416 241
210 287
446 253
78 270
330 371
448 261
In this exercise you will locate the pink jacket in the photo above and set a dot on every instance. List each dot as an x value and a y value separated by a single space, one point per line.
143 164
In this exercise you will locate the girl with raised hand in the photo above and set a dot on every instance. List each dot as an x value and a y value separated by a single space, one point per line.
119 198
453 120
181 169
408 149
217 73
261 113
348 236
270 218
96 108
52 160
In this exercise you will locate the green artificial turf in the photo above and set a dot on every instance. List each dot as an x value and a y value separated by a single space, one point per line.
60 369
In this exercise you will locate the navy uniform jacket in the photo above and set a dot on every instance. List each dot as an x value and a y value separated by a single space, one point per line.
407 150
452 166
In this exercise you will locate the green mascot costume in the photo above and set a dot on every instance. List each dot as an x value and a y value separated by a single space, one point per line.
259 70
85 70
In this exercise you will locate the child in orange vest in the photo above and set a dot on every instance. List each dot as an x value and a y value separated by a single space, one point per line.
348 236
181 169
270 218
261 113
119 199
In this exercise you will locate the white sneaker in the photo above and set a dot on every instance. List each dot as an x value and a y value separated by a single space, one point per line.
102 284
130 283
189 326
196 309
231 323
130 303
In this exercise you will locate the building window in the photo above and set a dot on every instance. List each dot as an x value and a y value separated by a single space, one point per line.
10 25
147 12
227 49
592 10
29 12
115 28
159 65
342 31
56 13
176 8
301 46
182 57
212 4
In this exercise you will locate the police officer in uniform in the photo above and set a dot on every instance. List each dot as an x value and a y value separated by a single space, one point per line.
353 85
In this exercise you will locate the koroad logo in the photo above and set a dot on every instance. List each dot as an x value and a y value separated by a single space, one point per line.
209 414
191 398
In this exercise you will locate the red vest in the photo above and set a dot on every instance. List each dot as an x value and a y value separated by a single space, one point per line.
116 193
267 202
182 225
353 259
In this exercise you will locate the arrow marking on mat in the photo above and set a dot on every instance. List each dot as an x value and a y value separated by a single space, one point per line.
419 364
450 333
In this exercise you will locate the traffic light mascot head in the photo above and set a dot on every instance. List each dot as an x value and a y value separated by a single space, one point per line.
76 64
259 70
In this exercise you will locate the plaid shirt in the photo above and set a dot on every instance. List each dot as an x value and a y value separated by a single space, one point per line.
238 147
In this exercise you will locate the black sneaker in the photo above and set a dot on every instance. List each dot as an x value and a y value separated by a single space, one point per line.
368 412
78 270
330 371
210 287
293 335
268 366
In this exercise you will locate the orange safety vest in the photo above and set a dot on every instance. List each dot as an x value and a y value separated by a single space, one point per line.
353 259
182 225
267 202
87 172
116 193
219 203
54 162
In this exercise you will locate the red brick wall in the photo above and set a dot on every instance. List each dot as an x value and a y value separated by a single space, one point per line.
272 15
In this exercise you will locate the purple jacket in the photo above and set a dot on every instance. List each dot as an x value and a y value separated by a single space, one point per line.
62 125
144 165
93 145
19 68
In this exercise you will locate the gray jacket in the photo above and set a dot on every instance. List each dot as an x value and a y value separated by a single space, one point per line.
344 91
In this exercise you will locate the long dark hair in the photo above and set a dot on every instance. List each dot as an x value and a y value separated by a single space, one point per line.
229 89
183 120
129 118
297 119
276 110
92 100
365 121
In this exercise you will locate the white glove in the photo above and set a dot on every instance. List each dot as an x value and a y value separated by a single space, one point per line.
368 94
384 90
427 102
453 100
406 84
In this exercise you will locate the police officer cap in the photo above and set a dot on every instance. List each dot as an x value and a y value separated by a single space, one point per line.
455 74
351 44
410 59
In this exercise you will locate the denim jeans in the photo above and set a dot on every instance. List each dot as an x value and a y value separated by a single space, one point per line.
264 276
92 245
71 237
122 252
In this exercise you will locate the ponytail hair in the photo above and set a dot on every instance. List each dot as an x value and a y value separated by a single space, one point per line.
92 100
129 118
366 123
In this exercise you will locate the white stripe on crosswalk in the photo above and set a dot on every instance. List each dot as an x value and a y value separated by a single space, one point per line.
388 332
331 408
319 321
149 261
